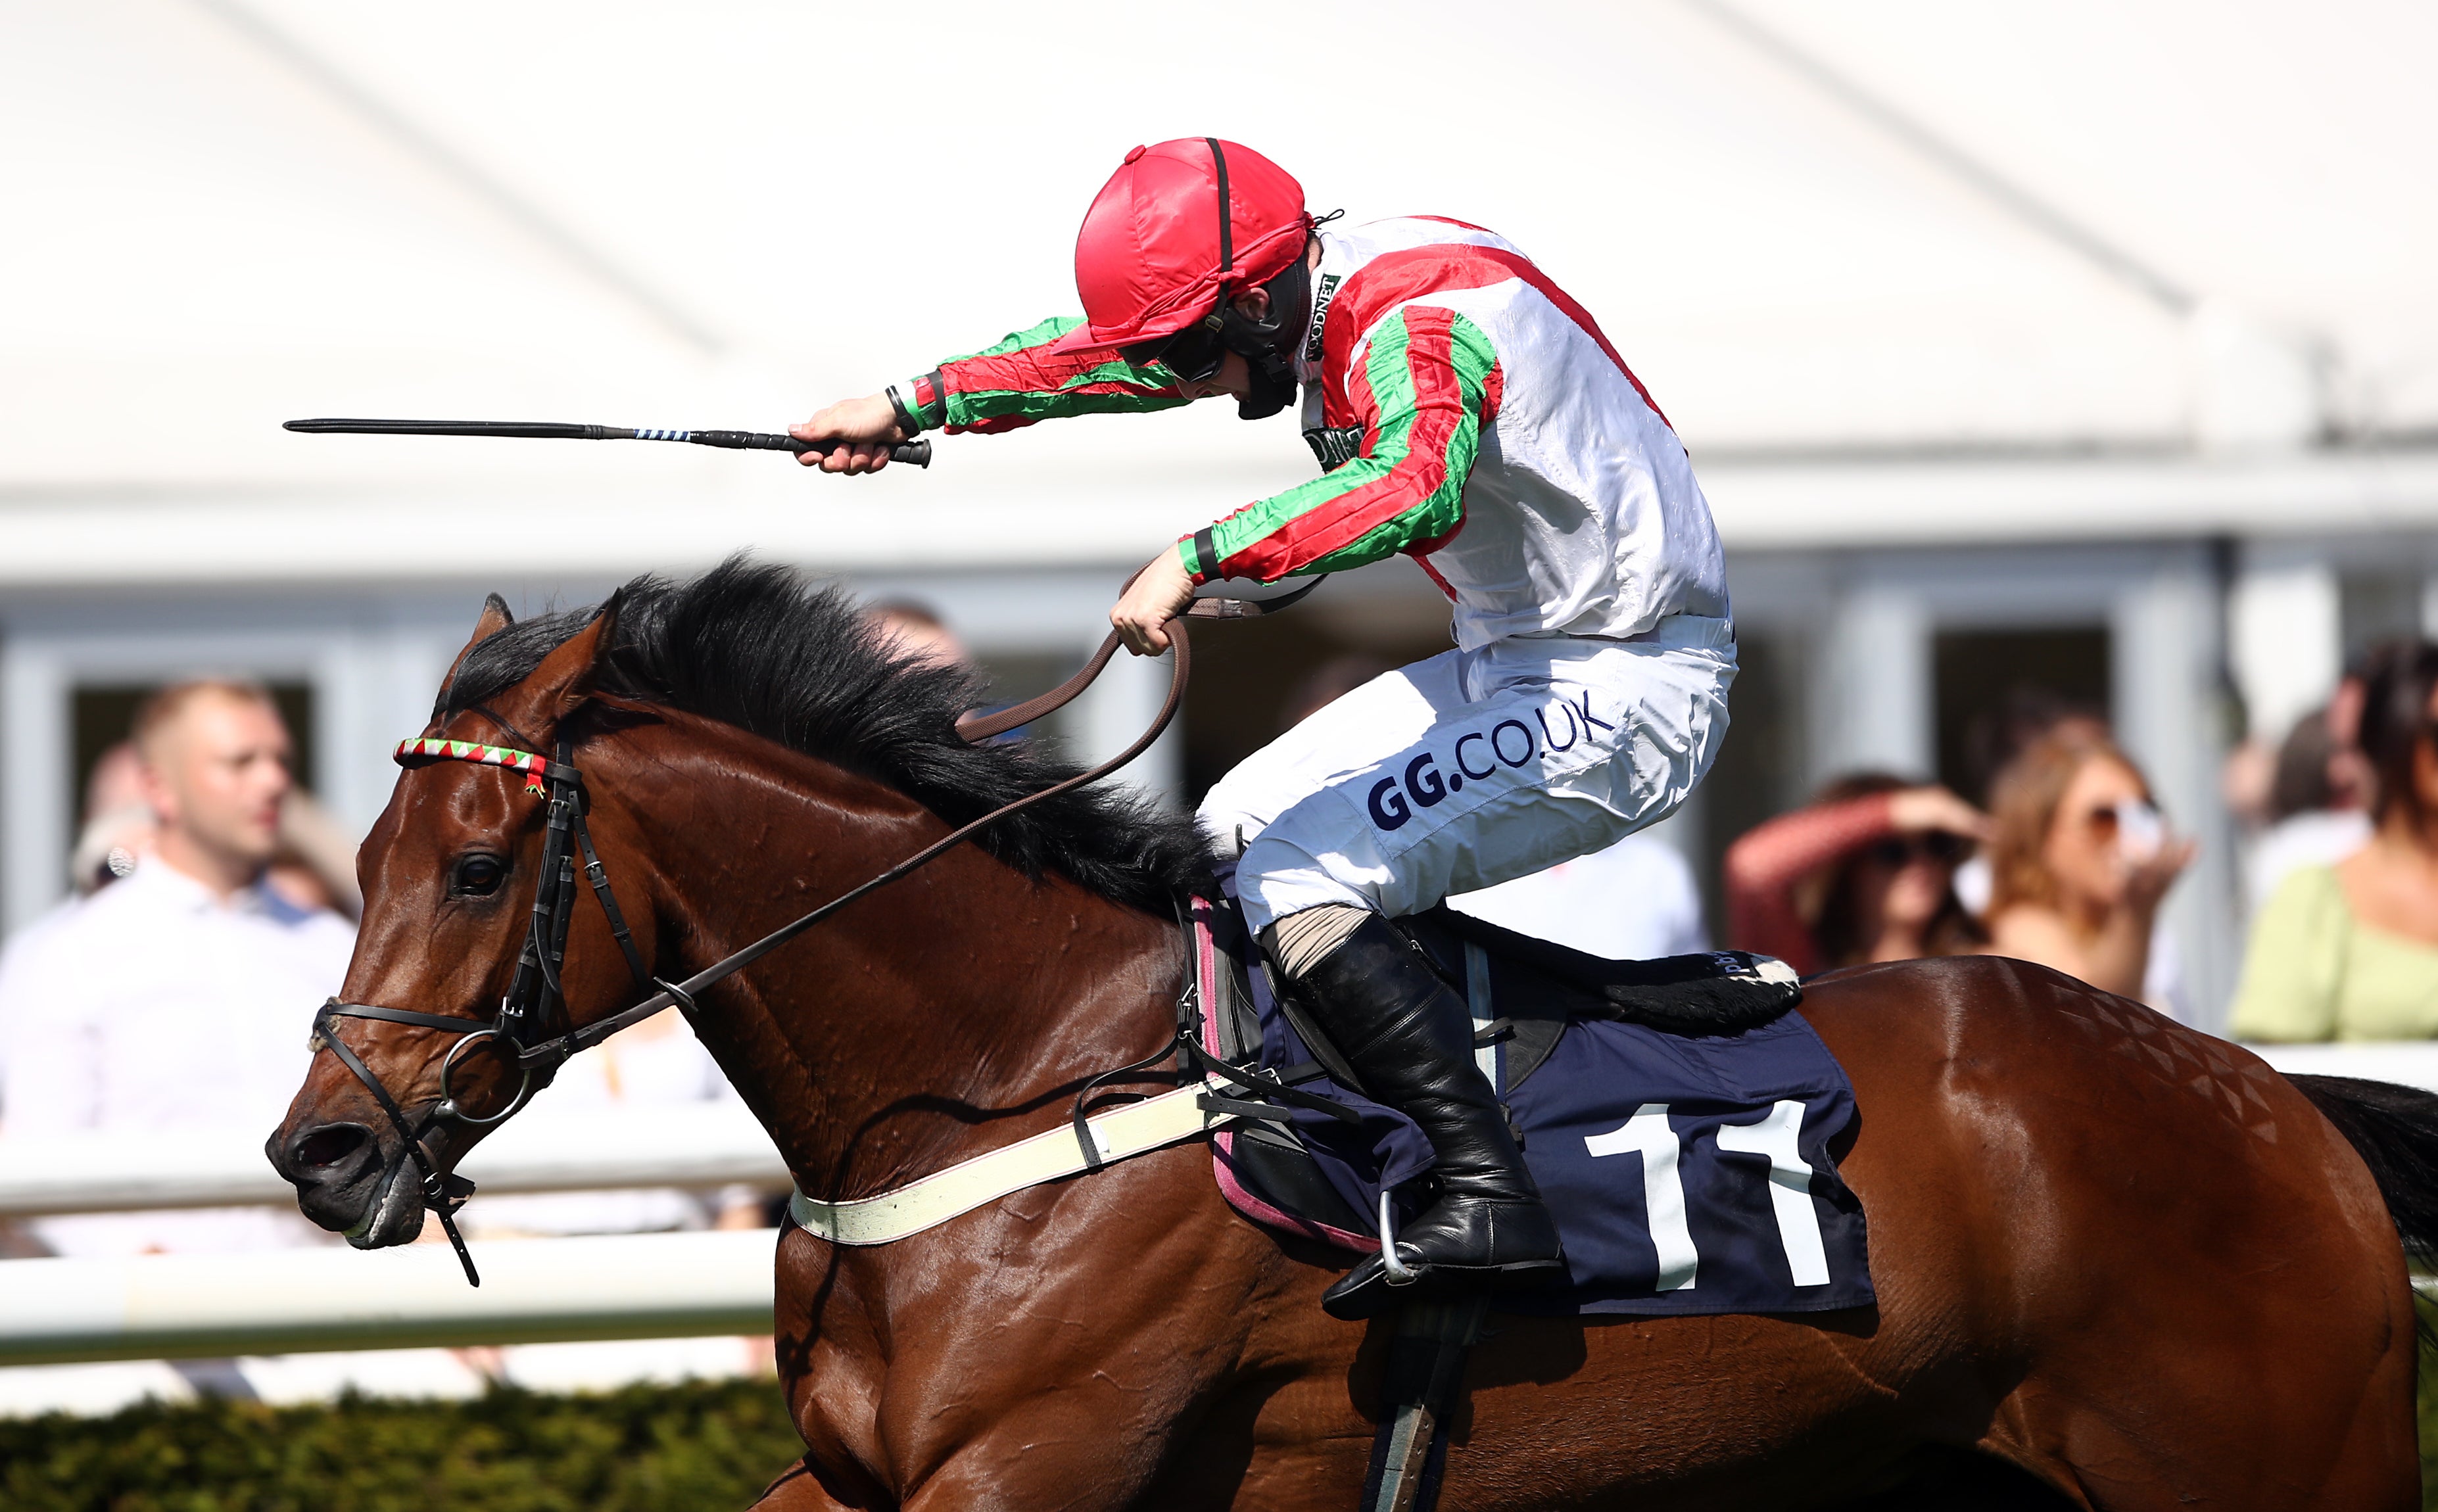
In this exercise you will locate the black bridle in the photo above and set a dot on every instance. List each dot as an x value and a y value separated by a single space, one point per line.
535 999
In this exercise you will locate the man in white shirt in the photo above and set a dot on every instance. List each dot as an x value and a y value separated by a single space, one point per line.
174 1004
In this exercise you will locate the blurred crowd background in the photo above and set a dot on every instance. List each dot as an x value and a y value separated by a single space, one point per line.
2064 379
211 898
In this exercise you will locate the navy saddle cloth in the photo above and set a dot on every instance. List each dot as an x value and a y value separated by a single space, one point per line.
1692 1168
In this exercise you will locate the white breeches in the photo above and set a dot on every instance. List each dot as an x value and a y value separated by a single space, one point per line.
1475 768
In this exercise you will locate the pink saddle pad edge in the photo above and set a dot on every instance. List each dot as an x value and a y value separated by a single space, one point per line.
1206 967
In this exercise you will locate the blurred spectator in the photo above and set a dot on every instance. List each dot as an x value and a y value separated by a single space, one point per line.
314 867
2317 809
1866 873
119 829
914 630
2080 861
2350 951
2244 779
316 864
175 1001
2026 714
918 630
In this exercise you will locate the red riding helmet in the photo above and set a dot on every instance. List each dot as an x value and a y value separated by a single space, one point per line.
1177 225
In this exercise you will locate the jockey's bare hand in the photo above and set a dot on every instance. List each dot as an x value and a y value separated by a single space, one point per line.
857 432
1159 593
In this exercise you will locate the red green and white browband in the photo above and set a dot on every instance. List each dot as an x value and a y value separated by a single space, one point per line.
537 769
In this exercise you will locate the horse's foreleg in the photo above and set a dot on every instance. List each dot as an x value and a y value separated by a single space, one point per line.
1124 1431
1088 1345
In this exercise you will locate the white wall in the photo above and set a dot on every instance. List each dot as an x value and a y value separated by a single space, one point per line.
2170 717
1871 705
2285 632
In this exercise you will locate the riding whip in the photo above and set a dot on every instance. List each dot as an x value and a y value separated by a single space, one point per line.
918 453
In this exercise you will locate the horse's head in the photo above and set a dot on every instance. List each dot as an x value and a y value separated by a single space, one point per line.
753 750
455 966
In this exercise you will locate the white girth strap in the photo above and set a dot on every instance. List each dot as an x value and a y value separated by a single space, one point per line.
1119 1133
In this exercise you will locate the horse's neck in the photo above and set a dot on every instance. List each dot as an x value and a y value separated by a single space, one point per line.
951 1011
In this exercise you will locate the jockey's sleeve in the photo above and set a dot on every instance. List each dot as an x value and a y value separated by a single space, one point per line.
1428 385
1017 380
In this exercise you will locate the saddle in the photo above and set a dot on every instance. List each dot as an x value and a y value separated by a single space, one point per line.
1695 1063
1278 1169
1703 1050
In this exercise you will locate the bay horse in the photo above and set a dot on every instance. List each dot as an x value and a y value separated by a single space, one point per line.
2120 1265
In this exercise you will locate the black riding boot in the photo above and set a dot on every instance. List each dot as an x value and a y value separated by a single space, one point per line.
1411 1040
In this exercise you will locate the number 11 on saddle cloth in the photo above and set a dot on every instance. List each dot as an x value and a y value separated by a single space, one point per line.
1689 1173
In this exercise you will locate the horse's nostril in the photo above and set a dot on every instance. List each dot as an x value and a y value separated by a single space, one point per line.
330 1143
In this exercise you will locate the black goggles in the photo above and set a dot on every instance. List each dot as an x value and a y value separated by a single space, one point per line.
1192 354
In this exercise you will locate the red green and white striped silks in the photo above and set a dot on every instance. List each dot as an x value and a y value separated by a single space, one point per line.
537 769
1429 380
1504 444
1018 380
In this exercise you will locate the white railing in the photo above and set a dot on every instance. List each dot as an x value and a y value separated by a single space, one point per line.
700 1145
627 1287
2413 1062
708 1144
637 1286
642 1285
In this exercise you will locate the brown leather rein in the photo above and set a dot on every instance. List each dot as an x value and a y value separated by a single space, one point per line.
983 726
537 1061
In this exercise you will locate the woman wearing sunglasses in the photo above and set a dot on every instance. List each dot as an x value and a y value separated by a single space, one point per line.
2350 951
1866 873
2080 861
1468 412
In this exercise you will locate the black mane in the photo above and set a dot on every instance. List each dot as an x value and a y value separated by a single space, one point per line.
755 646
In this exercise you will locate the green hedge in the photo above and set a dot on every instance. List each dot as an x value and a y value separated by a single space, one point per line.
697 1447
645 1449
2429 1403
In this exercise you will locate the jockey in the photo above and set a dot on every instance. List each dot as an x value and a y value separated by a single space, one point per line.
1467 413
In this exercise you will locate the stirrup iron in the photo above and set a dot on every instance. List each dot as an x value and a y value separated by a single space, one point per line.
1399 1273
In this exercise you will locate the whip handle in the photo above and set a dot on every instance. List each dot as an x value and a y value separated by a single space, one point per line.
914 454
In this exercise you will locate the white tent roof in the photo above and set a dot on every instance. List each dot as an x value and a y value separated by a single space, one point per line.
1894 229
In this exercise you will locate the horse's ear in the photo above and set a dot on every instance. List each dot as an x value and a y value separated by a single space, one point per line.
495 618
568 675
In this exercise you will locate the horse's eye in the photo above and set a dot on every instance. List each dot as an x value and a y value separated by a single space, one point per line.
478 876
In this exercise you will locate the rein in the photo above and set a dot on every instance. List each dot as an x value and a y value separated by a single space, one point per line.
534 996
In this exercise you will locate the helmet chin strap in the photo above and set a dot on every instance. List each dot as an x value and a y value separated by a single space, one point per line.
1269 394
